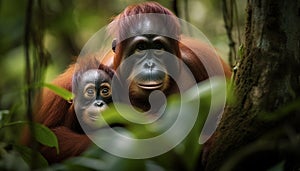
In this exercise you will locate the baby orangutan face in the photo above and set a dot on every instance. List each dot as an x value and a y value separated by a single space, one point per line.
92 96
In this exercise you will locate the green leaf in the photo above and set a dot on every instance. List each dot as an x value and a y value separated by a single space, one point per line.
62 92
30 156
113 116
209 94
45 136
16 123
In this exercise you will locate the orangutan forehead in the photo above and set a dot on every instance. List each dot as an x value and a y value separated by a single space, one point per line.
95 76
146 24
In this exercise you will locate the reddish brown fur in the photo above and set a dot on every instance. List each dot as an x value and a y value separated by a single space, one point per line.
58 114
199 57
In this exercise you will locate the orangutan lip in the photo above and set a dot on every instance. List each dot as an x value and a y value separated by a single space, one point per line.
151 85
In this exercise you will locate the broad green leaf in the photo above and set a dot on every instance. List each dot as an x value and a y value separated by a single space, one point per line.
209 94
64 93
113 116
30 156
45 136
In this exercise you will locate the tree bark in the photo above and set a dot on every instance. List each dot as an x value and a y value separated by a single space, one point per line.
267 79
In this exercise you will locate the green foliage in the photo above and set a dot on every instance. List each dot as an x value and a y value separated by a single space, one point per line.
11 160
279 144
41 133
65 94
45 136
13 152
20 158
184 156
67 26
27 154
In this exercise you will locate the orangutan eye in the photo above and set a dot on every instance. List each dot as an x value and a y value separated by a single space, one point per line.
105 90
158 45
141 46
89 91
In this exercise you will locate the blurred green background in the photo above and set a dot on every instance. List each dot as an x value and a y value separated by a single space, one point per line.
69 25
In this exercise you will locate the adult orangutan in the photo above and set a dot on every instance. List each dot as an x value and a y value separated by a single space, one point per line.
145 51
149 48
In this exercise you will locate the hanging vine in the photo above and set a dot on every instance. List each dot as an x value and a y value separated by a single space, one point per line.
36 59
230 16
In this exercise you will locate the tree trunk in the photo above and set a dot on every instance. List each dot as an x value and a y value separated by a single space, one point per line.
267 79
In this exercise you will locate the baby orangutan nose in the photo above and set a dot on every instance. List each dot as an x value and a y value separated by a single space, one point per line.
99 103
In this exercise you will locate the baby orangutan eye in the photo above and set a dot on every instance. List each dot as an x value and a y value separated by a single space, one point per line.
89 91
105 90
